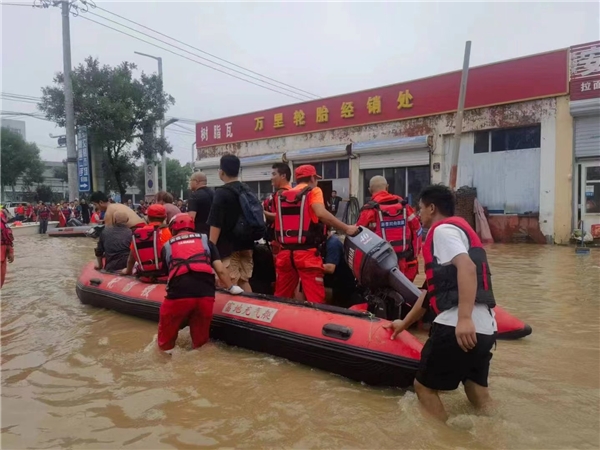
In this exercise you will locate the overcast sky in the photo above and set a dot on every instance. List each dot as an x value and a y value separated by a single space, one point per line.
323 48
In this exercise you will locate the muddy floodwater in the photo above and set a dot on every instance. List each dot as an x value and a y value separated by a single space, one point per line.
78 377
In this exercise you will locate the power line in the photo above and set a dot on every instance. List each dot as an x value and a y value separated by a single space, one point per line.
189 59
201 57
16 4
202 51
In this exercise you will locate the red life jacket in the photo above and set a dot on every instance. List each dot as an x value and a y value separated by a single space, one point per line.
7 236
442 281
269 206
391 224
188 252
147 250
44 213
294 229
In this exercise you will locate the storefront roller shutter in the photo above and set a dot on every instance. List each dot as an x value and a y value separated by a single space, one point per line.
587 136
212 177
413 151
210 168
259 168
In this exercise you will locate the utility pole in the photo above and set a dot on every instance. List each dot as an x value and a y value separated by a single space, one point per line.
66 6
162 119
459 116
69 109
193 155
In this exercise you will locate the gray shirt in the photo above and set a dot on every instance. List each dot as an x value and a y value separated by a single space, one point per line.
114 244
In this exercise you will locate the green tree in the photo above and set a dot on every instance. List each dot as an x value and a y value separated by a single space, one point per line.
44 193
19 159
119 111
177 176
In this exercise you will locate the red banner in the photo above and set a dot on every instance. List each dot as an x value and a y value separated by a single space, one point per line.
511 81
585 88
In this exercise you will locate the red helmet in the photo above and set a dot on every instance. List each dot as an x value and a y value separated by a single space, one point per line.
181 221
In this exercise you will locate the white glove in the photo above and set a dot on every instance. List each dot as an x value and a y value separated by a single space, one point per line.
235 290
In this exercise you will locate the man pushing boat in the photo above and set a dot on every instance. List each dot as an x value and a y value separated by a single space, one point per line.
459 292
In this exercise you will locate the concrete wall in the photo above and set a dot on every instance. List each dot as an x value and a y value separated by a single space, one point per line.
563 207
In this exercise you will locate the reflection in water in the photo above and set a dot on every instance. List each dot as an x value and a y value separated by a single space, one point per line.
74 376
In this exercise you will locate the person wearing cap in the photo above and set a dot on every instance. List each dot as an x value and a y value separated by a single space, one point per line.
112 251
100 200
302 238
147 243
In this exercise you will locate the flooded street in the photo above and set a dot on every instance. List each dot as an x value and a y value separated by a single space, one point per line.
78 377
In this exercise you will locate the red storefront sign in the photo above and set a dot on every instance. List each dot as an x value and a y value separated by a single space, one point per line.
585 71
511 81
585 88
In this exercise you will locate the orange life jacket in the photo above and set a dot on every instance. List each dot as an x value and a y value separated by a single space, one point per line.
391 224
188 252
147 250
294 228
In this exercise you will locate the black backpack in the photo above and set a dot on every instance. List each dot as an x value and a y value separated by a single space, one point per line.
251 223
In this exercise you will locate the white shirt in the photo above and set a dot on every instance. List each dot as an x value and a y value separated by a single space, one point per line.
448 242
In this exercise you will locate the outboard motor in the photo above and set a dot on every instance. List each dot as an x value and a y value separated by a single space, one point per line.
375 265
95 231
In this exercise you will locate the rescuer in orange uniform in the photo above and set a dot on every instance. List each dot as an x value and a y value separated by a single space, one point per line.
280 179
300 219
191 261
147 243
392 219
8 250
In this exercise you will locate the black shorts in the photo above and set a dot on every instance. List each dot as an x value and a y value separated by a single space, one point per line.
444 364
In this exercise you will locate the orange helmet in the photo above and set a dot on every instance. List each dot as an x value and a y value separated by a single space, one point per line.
180 222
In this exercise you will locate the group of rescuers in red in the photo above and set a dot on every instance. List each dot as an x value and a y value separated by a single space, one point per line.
186 251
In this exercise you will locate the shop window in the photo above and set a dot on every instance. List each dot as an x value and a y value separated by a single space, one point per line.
407 182
520 138
253 185
318 167
330 170
367 175
344 169
396 179
592 190
266 188
417 179
482 142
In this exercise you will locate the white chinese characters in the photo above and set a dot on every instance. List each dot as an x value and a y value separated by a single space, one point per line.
203 134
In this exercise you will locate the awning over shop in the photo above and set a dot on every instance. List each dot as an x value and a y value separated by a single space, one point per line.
307 155
397 152
587 107
396 144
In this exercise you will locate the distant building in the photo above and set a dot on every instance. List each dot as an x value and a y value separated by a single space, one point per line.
18 126
27 193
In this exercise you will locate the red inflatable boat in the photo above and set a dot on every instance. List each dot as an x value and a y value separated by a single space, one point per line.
350 343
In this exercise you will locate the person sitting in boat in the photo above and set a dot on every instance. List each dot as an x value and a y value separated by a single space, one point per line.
147 243
300 220
190 259
338 276
100 201
8 250
392 219
459 292
112 252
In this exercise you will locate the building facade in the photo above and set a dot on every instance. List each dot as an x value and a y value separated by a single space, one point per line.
517 136
585 110
18 126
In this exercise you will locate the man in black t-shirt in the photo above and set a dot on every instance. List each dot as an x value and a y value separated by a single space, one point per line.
200 202
236 254
338 276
